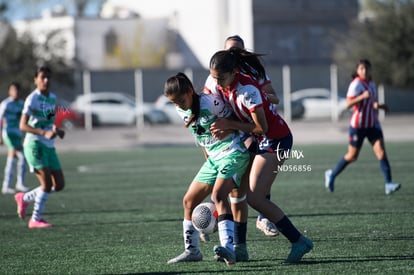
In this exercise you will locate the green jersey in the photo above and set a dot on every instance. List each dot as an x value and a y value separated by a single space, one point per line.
212 108
41 112
10 113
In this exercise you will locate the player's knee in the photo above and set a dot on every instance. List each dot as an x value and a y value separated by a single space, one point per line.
235 200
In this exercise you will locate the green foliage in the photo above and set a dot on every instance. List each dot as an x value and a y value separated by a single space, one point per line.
121 213
385 36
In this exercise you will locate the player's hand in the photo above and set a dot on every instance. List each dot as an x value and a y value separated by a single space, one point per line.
50 134
220 128
60 133
365 94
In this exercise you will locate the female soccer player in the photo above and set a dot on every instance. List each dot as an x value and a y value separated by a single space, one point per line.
364 123
12 136
37 122
235 72
226 162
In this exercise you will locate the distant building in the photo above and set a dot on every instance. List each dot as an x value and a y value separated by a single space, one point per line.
177 34
99 44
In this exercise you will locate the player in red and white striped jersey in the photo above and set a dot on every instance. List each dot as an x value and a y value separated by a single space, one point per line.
236 72
364 123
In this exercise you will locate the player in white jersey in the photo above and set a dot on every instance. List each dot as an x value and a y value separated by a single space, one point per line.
221 173
37 122
364 123
10 112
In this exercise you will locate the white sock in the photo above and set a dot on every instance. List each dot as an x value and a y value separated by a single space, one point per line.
31 195
191 237
9 172
39 205
226 233
21 169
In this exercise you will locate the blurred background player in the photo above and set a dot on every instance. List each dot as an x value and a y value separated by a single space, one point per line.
225 164
364 123
37 122
10 113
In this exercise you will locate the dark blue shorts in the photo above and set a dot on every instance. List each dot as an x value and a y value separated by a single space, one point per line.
357 135
275 145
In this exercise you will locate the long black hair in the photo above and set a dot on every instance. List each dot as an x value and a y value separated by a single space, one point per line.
364 62
179 85
249 63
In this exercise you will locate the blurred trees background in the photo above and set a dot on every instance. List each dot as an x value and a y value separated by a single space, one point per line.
384 34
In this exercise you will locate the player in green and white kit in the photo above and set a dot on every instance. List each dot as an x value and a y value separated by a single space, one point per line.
226 162
38 122
12 136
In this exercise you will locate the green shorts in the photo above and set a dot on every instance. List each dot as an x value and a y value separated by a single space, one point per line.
12 141
39 156
231 166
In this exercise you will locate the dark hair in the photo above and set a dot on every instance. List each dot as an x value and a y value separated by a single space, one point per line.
226 61
235 38
45 69
15 84
180 84
364 62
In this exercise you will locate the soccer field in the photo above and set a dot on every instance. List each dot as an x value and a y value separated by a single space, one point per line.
121 213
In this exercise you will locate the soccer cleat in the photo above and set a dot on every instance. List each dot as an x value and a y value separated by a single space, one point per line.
241 252
299 248
187 257
391 187
39 224
227 255
7 190
22 188
267 227
329 183
21 205
204 237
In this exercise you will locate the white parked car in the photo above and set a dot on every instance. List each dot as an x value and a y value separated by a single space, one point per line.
163 103
114 108
317 103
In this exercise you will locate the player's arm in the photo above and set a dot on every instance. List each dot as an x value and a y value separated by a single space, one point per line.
271 93
25 127
351 101
258 127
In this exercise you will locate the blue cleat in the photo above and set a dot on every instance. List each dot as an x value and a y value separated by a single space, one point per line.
299 248
329 182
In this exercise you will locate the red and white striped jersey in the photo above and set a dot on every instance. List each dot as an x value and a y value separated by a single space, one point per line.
364 115
245 97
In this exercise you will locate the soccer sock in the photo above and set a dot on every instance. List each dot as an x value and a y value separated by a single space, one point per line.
226 231
39 205
191 237
9 172
260 214
286 227
386 169
31 195
240 232
21 169
342 163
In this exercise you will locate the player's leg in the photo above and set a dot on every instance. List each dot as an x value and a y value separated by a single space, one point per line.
9 173
378 147
264 166
198 190
21 171
219 195
356 139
